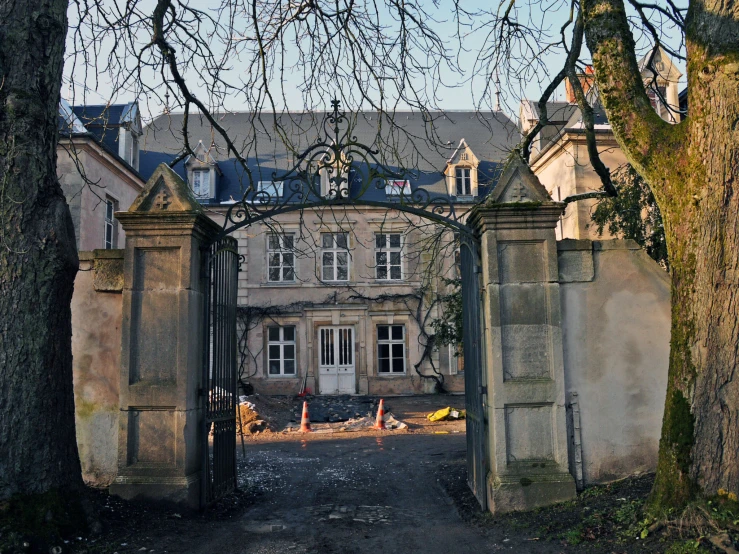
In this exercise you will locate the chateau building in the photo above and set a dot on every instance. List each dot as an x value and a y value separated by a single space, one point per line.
342 299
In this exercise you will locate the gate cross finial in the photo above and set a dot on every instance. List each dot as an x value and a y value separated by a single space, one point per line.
162 201
519 193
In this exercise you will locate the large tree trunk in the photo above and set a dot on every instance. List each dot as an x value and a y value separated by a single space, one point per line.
38 258
692 169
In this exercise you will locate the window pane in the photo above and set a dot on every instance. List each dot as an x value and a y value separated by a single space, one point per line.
327 239
109 210
328 258
289 352
394 241
397 351
397 332
395 258
274 273
398 366
287 242
381 258
383 350
273 333
109 234
274 351
381 272
274 367
287 259
342 258
382 332
274 242
379 241
384 366
395 272
288 333
289 367
327 273
341 240
274 260
288 274
342 273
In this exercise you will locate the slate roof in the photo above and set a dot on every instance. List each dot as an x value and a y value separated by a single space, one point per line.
103 121
416 146
573 124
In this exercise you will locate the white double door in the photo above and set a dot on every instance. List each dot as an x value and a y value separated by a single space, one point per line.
336 363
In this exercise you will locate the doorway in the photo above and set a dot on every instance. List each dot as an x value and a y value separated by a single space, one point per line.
336 361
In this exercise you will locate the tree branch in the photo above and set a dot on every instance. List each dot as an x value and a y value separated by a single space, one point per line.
650 144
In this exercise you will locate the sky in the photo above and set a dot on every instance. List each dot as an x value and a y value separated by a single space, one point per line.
465 38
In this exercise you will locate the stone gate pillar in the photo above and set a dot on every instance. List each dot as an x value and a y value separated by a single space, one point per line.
160 422
527 439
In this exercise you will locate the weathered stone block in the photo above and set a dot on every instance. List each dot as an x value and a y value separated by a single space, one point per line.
529 433
521 261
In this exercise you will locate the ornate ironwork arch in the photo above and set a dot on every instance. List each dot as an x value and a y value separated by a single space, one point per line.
337 170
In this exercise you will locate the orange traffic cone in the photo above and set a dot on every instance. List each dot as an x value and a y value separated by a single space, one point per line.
305 420
380 421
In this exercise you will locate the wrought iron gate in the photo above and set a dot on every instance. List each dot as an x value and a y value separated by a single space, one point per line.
474 369
219 369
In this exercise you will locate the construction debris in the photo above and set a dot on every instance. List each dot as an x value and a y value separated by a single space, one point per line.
446 414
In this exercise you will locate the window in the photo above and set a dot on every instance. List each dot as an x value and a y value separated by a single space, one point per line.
280 258
464 156
391 349
464 181
388 250
110 234
335 259
281 350
273 188
456 359
396 188
201 182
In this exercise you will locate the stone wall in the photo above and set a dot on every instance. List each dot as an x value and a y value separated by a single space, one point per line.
96 347
616 330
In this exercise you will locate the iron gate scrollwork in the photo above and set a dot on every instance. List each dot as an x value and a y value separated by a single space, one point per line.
474 369
219 369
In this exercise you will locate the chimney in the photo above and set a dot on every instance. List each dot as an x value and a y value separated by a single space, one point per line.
586 79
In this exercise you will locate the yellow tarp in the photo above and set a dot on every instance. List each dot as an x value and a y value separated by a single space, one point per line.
446 413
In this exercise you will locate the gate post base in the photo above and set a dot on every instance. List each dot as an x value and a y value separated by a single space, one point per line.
181 490
522 492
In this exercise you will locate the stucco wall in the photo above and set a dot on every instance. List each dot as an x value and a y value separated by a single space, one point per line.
96 348
616 329
565 170
107 177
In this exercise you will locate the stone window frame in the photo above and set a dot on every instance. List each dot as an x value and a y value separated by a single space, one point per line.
390 341
281 343
334 250
388 265
280 251
110 204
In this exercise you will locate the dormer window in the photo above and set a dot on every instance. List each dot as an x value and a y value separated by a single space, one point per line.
397 188
201 182
463 181
202 171
273 188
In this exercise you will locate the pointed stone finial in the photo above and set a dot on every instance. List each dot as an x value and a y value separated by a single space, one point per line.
518 184
165 191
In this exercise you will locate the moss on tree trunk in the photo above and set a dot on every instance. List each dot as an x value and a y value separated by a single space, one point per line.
692 169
